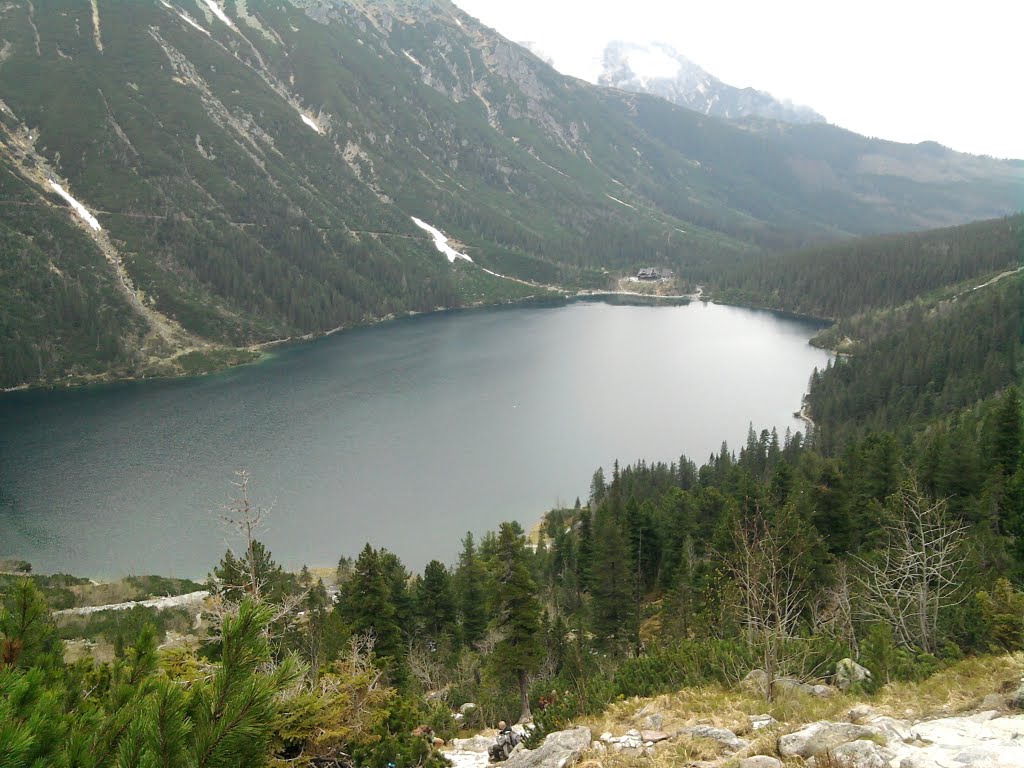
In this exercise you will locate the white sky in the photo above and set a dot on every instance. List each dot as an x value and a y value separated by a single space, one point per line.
950 71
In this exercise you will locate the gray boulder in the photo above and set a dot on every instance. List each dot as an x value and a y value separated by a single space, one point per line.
823 735
761 761
1017 699
559 749
849 673
467 708
858 754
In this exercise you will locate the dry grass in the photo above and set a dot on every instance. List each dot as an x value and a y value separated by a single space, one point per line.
106 593
719 707
959 688
328 575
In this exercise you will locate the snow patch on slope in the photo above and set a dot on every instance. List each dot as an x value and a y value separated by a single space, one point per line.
620 202
310 122
185 17
219 12
80 209
440 241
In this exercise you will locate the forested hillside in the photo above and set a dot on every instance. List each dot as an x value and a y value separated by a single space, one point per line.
893 534
843 280
245 171
922 361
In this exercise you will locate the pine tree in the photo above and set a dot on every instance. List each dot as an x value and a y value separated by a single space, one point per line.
518 618
435 602
27 634
612 583
469 591
368 608
1007 433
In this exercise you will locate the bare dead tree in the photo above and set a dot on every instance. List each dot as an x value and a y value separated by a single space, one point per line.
917 575
244 518
773 583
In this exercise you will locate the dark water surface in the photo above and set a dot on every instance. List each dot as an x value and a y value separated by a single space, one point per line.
405 434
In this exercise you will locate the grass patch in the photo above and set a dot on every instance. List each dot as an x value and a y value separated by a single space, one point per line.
209 360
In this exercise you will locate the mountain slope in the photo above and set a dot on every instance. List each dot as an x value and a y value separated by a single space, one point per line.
254 167
660 70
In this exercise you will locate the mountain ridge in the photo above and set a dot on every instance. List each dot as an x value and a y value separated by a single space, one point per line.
257 179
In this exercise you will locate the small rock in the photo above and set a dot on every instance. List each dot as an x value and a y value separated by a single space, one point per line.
653 736
849 673
653 722
757 722
761 761
822 691
466 708
599 747
860 712
606 736
458 717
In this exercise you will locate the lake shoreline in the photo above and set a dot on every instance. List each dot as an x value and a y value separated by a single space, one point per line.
264 349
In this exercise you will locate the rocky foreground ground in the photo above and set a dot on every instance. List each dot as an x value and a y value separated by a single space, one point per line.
864 738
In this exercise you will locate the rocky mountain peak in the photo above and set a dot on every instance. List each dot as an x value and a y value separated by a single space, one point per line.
659 69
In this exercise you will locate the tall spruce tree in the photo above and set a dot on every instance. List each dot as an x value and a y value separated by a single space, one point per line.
435 602
368 608
612 582
520 649
469 590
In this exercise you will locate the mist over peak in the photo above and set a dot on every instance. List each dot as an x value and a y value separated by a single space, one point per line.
659 69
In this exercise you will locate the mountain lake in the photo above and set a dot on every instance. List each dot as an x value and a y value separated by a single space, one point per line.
405 434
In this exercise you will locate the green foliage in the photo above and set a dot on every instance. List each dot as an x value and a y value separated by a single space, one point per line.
27 634
1002 611
131 715
120 628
